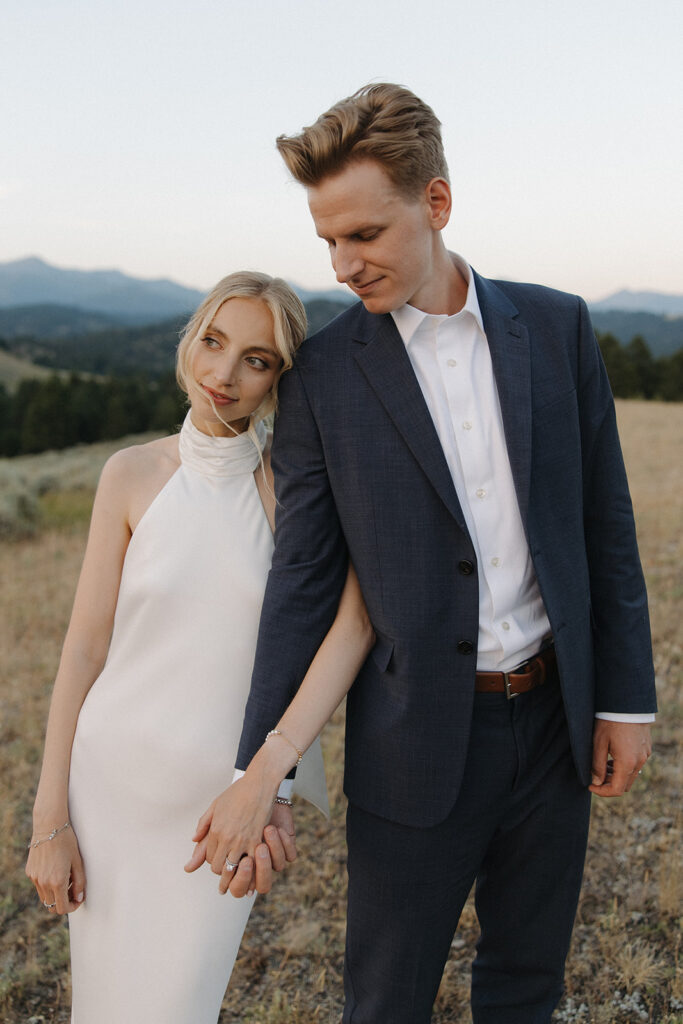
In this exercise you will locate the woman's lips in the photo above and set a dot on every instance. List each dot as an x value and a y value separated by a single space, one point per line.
217 397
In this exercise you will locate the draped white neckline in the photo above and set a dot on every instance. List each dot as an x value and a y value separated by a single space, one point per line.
220 456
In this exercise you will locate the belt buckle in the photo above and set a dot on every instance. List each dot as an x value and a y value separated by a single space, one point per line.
509 694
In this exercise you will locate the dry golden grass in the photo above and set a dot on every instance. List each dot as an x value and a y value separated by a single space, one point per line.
624 965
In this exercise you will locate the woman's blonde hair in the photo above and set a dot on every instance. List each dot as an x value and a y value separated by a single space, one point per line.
382 122
289 325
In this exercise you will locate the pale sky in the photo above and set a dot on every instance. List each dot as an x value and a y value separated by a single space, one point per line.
140 135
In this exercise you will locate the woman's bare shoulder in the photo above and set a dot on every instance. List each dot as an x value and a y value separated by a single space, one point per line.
143 460
135 475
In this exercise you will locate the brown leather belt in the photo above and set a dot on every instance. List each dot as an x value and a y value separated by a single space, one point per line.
521 679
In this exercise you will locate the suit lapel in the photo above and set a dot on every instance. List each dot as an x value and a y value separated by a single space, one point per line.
383 359
511 358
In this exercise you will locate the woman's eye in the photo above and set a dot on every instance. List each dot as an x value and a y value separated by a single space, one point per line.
211 342
260 364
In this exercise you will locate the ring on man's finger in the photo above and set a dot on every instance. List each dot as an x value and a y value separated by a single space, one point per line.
229 864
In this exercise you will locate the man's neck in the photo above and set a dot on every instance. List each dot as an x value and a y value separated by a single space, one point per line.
446 292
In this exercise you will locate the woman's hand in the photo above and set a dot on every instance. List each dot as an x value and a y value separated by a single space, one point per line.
243 825
56 869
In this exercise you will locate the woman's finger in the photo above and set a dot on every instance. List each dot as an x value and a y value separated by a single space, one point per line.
77 888
61 899
198 856
203 825
239 879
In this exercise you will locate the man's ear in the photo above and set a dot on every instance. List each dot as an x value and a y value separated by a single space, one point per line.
439 202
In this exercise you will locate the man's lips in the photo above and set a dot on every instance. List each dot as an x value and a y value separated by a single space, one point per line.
218 398
361 289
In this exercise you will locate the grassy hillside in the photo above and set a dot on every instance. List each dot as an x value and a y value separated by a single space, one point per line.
624 966
13 369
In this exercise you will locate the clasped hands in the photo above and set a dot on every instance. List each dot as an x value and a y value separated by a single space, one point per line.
244 825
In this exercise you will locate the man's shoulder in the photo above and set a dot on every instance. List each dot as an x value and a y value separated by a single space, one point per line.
350 325
529 298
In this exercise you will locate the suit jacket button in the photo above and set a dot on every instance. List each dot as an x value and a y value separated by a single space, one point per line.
465 647
466 567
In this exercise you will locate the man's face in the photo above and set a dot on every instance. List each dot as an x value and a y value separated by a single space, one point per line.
382 245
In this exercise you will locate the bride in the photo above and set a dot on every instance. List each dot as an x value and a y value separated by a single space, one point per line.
154 676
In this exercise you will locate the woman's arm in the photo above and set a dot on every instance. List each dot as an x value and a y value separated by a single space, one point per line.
234 824
55 865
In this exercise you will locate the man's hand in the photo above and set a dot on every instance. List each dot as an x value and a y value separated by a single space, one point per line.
620 749
278 849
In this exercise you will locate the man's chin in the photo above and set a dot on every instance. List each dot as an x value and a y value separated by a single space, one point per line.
374 304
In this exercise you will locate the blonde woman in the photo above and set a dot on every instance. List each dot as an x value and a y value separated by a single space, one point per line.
149 698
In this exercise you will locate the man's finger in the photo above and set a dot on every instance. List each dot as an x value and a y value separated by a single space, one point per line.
289 842
264 868
600 753
275 848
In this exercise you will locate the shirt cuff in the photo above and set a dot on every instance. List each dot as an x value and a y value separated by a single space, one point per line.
609 716
285 788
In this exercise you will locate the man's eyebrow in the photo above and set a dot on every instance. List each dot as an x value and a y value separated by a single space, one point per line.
359 230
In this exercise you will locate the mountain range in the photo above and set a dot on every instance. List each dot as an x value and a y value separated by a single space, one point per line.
43 301
115 297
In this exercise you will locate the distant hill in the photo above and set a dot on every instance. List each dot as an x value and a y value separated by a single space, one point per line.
122 351
660 303
128 300
13 369
664 335
52 321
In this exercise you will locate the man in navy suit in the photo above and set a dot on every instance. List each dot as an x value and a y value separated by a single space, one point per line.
455 438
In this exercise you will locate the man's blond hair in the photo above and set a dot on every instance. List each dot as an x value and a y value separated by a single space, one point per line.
382 122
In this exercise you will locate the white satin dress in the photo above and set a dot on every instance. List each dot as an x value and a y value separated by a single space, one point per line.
156 741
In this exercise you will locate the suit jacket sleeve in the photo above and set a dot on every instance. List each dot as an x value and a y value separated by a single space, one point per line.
621 632
308 571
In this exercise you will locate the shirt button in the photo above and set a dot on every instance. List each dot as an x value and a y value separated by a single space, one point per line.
466 567
465 647
452 362
495 561
505 625
481 493
467 425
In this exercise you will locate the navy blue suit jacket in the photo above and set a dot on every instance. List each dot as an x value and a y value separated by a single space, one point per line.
360 473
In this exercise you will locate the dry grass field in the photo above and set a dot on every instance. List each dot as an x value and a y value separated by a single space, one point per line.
625 963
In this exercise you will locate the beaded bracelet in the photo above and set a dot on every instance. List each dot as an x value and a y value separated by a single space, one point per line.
300 753
48 838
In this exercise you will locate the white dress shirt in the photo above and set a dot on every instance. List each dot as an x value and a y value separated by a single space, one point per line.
452 362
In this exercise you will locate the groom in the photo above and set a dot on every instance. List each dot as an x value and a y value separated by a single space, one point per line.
455 438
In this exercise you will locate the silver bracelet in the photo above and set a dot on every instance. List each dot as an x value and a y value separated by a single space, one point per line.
48 838
283 800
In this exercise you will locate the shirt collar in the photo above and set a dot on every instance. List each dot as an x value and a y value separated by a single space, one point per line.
409 319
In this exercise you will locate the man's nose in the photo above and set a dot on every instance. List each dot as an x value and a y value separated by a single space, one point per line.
346 263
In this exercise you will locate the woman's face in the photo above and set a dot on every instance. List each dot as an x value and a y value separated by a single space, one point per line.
235 365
